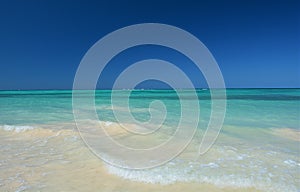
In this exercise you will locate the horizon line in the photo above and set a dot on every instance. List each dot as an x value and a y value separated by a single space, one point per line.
145 89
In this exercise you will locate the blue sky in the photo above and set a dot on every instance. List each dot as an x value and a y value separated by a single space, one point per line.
256 43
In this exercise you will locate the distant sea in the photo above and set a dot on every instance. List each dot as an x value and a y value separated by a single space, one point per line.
257 150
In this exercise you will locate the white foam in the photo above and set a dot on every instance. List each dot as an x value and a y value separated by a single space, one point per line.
16 128
107 123
211 165
203 173
291 163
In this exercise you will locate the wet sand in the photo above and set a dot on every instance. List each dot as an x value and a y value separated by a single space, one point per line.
33 162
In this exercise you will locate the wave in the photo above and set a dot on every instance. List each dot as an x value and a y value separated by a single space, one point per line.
16 128
171 173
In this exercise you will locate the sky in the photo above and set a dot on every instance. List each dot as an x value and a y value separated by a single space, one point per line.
256 43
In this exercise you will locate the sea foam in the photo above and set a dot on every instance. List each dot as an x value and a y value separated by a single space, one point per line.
179 171
16 128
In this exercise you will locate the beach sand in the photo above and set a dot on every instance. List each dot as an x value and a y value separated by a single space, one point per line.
34 162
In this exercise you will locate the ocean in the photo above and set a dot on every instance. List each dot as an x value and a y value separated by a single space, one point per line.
42 149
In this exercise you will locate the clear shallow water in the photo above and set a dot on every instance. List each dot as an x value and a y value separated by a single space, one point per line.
258 146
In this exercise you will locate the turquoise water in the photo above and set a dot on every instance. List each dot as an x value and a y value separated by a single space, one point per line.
258 145
257 108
